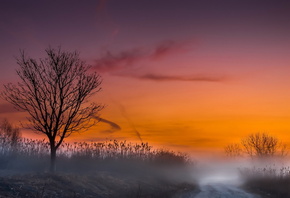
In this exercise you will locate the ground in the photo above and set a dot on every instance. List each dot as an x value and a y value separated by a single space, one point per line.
94 185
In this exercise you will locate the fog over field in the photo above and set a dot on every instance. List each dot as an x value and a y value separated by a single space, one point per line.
144 99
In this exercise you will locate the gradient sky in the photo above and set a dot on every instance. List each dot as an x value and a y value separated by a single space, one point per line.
187 75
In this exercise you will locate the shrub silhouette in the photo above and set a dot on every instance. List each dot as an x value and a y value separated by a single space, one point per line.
31 152
261 146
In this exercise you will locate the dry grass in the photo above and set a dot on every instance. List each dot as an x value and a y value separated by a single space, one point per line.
271 181
101 185
34 154
107 170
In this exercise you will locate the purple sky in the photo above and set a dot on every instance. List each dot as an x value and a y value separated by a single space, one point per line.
201 67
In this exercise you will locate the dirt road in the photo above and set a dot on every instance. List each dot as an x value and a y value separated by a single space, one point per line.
222 191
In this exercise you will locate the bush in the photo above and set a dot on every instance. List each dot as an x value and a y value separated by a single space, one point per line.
271 181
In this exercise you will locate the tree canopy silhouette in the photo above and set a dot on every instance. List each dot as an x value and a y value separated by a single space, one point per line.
257 146
263 145
54 91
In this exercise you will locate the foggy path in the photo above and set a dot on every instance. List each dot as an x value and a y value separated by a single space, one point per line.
218 190
220 179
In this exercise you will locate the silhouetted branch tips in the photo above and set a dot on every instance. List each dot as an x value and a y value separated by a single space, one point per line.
258 146
54 92
10 134
233 150
262 145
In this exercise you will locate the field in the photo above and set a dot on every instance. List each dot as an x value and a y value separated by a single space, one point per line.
107 169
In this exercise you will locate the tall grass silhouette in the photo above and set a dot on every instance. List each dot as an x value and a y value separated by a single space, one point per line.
34 151
92 169
271 181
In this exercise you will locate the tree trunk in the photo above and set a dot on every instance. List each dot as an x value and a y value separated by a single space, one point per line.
52 158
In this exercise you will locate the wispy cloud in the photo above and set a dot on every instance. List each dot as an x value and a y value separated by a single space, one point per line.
125 115
160 77
114 127
122 63
113 62
167 48
126 59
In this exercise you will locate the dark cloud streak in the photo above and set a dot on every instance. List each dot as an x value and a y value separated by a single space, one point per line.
163 78
124 113
114 127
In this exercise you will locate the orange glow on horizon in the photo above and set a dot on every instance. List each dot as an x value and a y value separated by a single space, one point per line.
191 77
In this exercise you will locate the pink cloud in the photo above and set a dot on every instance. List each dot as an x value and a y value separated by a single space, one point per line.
113 62
126 59
167 48
119 64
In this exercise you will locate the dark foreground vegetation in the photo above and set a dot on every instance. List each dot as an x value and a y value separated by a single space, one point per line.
98 185
107 169
271 181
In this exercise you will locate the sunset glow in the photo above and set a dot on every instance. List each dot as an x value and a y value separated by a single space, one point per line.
187 75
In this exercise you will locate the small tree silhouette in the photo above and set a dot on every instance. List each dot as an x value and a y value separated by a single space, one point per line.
54 92
263 145
233 150
257 146
9 134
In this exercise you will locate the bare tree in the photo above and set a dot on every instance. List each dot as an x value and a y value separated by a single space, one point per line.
257 146
9 134
233 150
54 91
262 145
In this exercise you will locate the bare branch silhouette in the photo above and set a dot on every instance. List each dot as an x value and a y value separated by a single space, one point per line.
233 150
10 132
262 145
54 91
257 146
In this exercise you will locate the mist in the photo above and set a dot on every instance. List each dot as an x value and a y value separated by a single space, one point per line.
117 168
111 169
121 169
